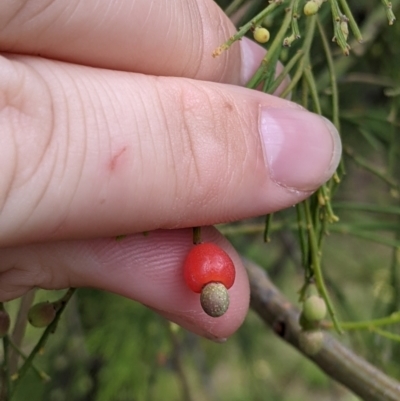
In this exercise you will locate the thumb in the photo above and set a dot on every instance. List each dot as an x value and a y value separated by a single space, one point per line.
100 153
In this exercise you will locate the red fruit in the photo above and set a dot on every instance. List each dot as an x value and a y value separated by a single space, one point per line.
208 263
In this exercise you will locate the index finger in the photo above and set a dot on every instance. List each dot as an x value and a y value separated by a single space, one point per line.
169 38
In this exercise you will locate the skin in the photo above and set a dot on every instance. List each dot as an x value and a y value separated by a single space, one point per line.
115 119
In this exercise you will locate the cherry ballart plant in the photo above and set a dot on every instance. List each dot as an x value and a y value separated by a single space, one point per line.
209 271
337 58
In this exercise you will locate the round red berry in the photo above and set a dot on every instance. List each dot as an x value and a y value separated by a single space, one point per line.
208 263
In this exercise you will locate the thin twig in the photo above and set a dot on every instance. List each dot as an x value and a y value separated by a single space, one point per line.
42 341
315 258
179 366
341 364
6 388
19 327
40 373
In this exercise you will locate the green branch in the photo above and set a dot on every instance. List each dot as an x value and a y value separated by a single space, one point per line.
337 361
316 266
368 324
42 341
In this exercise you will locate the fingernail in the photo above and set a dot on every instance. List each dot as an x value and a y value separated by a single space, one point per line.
302 149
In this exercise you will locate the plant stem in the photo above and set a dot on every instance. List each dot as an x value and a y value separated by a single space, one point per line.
196 235
367 207
333 358
267 229
304 61
178 363
42 341
245 28
285 72
339 37
361 232
40 373
18 332
369 324
304 244
273 53
308 75
6 390
367 166
233 7
389 12
315 257
353 24
332 76
387 334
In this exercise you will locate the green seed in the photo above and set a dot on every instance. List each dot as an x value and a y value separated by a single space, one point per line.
41 314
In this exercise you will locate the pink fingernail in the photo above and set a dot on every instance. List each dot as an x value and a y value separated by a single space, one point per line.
302 149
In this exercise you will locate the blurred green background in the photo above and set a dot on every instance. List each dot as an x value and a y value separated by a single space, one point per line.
107 348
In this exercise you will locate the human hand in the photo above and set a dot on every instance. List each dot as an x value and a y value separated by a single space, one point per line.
115 119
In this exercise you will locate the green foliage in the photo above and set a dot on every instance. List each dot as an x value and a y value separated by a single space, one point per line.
346 239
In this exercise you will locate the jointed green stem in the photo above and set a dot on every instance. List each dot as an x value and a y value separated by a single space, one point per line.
233 7
295 17
304 59
42 341
368 233
369 324
369 208
41 374
389 12
367 166
353 24
304 245
313 89
268 221
332 76
363 234
6 373
285 72
386 334
315 258
245 28
331 217
337 16
273 53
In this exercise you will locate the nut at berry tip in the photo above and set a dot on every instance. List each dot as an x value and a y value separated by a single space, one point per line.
214 299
